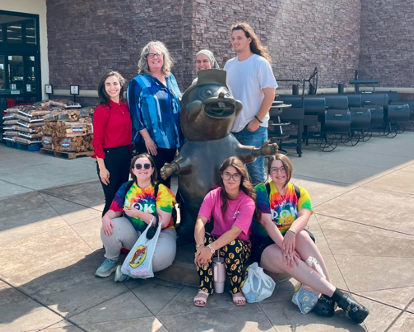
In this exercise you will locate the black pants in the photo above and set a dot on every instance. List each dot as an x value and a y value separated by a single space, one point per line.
163 156
117 162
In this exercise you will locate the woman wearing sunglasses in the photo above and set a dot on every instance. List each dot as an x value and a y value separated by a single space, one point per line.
232 207
281 244
131 212
153 98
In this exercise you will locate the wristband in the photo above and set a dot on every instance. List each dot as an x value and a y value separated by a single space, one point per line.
258 119
199 245
211 248
289 230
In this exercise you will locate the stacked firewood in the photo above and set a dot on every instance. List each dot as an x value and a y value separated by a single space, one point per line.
58 124
72 144
24 124
69 130
62 103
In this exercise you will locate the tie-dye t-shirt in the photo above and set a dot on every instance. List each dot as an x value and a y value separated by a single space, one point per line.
143 200
284 209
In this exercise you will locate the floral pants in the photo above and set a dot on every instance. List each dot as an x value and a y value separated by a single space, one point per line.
235 254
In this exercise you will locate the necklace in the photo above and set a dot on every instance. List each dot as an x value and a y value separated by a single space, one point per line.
120 107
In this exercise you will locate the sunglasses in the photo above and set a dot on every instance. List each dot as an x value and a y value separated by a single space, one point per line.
139 166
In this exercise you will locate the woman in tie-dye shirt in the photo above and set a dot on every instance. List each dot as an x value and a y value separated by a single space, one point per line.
130 213
281 244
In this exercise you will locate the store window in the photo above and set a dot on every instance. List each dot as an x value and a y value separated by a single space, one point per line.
30 32
14 33
19 29
15 68
20 77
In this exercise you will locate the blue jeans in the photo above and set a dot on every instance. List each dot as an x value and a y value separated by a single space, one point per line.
256 169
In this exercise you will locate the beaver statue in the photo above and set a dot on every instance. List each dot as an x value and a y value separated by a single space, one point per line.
208 112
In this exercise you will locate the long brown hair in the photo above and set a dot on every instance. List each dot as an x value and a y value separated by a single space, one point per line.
287 164
255 45
103 96
154 175
245 184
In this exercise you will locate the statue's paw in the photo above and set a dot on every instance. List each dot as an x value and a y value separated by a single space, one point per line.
163 173
268 149
274 148
166 171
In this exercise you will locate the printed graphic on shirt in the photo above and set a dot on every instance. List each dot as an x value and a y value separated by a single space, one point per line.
283 208
143 200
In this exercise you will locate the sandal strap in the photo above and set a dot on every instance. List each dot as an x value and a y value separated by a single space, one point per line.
239 298
201 299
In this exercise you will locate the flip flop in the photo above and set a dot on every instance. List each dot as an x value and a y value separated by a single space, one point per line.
237 298
201 299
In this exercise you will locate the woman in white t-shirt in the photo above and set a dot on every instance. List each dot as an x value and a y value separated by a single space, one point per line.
232 206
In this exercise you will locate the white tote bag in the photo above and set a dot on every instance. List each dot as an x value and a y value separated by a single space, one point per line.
258 285
138 263
304 296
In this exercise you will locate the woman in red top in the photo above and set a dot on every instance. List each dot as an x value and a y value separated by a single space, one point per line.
112 136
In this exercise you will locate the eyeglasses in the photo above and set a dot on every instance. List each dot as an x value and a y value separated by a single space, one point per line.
228 176
278 170
153 55
139 166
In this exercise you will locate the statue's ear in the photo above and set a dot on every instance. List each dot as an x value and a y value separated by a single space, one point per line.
239 107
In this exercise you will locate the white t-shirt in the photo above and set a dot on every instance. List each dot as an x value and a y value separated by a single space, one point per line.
246 79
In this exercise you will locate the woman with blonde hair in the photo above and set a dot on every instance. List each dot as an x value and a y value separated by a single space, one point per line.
153 98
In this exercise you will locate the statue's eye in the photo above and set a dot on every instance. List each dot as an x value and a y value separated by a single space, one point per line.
208 93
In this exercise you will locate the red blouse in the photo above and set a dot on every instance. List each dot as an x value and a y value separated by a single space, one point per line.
112 128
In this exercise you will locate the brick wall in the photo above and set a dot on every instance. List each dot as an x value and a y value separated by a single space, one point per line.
387 42
299 34
86 37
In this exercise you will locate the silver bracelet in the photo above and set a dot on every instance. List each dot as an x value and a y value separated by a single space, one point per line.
211 248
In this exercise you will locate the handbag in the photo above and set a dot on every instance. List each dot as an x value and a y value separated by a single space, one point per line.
138 263
258 285
304 296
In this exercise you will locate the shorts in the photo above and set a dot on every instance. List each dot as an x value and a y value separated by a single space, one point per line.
260 243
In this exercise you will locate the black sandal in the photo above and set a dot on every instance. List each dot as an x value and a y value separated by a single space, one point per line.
325 306
357 312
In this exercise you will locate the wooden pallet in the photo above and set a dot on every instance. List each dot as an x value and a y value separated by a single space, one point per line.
21 146
66 154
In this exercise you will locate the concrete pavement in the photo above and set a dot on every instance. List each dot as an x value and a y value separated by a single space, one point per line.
363 199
